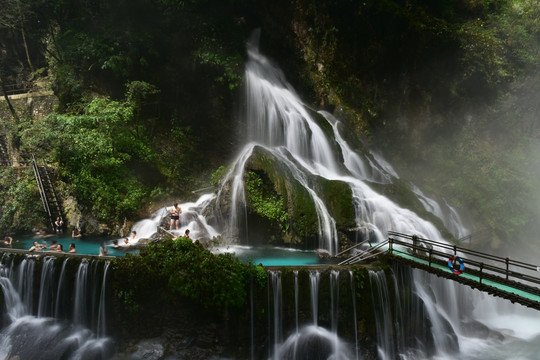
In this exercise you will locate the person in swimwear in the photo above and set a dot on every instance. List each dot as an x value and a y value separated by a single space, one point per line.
174 214
36 247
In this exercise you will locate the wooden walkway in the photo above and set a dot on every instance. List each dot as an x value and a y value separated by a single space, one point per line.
503 277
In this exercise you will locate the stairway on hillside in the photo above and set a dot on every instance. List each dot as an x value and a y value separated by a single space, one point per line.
46 190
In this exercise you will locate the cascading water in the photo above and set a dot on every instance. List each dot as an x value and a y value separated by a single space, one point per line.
281 125
46 295
383 316
32 335
310 340
432 318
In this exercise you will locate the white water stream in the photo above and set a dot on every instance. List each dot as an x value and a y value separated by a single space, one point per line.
31 334
466 323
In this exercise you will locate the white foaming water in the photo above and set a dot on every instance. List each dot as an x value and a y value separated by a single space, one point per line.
449 215
191 219
281 126
466 323
26 336
485 327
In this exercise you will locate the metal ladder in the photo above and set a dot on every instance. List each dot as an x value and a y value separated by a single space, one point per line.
46 191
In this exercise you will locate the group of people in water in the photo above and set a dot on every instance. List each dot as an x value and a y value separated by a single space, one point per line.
174 214
76 234
53 247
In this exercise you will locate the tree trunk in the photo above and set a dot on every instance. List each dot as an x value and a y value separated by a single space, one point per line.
6 97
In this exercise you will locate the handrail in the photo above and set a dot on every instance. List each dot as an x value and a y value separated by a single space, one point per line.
501 269
463 250
53 193
364 256
353 247
42 190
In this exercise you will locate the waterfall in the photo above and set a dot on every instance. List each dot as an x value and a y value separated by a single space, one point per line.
314 278
102 316
80 305
420 316
296 295
46 295
29 335
310 340
58 311
383 315
278 123
334 299
282 125
191 219
275 277
353 301
24 282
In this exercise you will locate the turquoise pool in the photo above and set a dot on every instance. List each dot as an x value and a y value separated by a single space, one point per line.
276 256
87 245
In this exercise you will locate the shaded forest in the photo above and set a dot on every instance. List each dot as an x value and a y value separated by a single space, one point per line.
148 97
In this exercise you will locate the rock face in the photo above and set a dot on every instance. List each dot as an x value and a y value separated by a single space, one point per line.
281 209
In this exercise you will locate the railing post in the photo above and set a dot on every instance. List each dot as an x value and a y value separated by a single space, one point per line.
507 266
480 275
430 253
414 241
390 242
455 249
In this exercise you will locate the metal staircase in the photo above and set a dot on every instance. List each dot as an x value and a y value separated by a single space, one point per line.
47 193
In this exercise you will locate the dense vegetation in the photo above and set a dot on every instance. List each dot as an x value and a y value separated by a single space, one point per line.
184 268
147 93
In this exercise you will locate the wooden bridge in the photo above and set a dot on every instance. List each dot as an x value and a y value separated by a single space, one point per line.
514 280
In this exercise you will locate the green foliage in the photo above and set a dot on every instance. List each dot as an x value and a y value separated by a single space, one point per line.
229 64
218 175
93 151
189 270
20 209
265 201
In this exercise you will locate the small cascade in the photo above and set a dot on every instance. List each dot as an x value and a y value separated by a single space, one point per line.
353 301
310 340
334 298
383 316
102 312
47 285
80 304
30 335
420 316
61 291
275 277
445 212
296 295
314 280
24 282
191 219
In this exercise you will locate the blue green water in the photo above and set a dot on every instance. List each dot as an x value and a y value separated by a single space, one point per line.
87 245
275 256
267 256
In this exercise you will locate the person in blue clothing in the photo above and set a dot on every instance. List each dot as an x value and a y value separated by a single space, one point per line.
456 264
